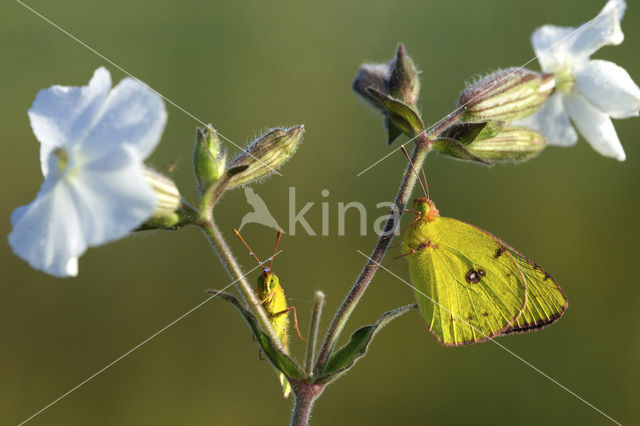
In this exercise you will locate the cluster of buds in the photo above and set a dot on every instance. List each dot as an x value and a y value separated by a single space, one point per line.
487 110
483 131
262 157
394 89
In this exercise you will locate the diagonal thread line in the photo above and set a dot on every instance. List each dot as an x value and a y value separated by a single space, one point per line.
518 357
124 355
491 86
142 82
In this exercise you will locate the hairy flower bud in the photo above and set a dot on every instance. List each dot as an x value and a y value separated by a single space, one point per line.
208 160
511 144
375 76
404 82
506 95
265 155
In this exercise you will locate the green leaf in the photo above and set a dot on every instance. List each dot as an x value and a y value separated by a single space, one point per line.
465 133
280 360
453 148
344 358
392 131
400 114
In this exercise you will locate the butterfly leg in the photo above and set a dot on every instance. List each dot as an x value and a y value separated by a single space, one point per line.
295 319
412 251
414 220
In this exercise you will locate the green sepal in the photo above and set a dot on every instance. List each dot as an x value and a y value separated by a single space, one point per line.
511 144
281 361
345 357
392 131
403 116
170 222
466 133
453 148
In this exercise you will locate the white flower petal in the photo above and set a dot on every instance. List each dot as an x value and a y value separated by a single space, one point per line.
100 203
551 45
552 122
595 126
112 196
609 88
60 115
46 233
132 114
602 30
558 47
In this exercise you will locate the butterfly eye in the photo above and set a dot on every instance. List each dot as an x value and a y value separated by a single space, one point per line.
272 284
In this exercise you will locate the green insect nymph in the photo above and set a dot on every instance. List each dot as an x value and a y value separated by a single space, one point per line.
272 298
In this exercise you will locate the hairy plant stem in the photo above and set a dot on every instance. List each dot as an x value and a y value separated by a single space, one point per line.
423 141
305 396
228 260
318 304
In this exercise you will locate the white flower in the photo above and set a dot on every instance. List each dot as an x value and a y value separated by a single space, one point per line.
92 144
590 91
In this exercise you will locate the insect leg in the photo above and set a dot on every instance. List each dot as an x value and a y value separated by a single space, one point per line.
413 251
266 299
295 319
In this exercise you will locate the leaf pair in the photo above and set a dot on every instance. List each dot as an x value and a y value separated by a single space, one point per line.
339 362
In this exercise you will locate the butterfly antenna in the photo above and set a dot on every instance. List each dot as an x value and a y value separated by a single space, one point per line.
275 249
235 231
425 182
404 150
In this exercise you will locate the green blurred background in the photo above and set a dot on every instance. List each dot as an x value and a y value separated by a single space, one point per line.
245 66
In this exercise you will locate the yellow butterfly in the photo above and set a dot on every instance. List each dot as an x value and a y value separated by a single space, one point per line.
471 286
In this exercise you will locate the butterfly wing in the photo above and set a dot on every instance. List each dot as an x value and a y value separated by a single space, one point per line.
464 293
546 301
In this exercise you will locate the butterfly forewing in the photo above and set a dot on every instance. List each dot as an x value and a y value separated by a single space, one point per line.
464 293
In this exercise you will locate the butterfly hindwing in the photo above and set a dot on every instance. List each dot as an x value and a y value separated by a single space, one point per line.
464 293
546 301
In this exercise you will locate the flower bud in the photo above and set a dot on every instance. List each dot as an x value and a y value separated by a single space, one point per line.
265 155
208 162
404 83
372 75
511 144
167 194
506 95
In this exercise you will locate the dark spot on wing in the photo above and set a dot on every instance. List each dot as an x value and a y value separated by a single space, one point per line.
498 252
547 276
452 318
485 314
469 317
474 276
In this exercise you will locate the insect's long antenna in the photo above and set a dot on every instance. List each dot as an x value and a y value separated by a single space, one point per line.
275 249
426 192
425 182
235 231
